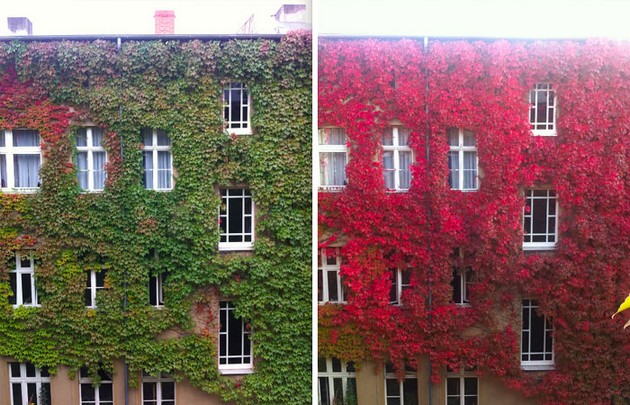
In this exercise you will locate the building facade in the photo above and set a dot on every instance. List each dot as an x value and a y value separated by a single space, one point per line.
155 220
473 224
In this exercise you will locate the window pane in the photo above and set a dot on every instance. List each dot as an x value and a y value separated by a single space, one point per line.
336 365
333 293
13 298
81 137
332 136
168 390
99 170
87 392
410 391
324 391
106 392
162 138
27 296
235 209
147 164
387 138
25 137
149 391
147 137
453 137
3 171
26 169
97 136
403 136
452 386
16 390
470 386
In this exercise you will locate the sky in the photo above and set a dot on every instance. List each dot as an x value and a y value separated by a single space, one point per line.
122 17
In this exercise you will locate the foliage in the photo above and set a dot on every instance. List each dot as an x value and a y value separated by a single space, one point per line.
483 87
58 86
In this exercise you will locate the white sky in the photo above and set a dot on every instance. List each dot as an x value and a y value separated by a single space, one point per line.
477 18
79 17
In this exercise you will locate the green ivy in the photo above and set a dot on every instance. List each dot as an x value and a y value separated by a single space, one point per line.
59 86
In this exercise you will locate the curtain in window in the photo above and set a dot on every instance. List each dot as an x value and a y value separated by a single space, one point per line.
3 171
453 165
405 173
97 136
25 137
333 169
164 170
388 169
147 163
470 170
82 170
99 170
26 168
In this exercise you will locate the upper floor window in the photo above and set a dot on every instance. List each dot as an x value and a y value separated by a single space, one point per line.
333 157
236 219
95 282
235 347
403 392
462 389
20 159
156 290
462 160
102 394
22 281
330 287
236 108
158 390
157 160
536 338
540 220
401 280
397 158
29 385
336 382
542 112
462 279
91 159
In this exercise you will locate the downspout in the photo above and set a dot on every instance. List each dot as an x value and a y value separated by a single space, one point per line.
427 131
120 116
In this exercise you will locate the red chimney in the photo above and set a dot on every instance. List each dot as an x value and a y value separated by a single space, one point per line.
164 22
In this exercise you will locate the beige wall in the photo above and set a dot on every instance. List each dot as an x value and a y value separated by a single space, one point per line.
4 382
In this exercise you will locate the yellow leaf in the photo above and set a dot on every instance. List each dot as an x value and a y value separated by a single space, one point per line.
625 305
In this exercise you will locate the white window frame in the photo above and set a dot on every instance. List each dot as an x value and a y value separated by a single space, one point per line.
543 91
24 381
157 283
548 363
154 150
90 150
158 381
552 198
461 378
321 162
400 394
85 380
246 365
323 270
224 215
344 375
244 126
462 275
19 287
92 287
398 284
460 150
9 152
396 150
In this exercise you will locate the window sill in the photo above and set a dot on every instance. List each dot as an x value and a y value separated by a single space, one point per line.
226 247
19 190
322 303
538 367
236 371
539 247
332 189
462 305
542 132
467 190
234 131
396 190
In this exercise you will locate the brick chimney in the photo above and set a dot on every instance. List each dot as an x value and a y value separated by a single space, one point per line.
19 26
164 22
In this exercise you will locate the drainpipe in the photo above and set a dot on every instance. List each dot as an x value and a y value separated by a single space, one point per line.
427 131
120 115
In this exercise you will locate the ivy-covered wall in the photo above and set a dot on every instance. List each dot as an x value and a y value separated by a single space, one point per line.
56 86
482 86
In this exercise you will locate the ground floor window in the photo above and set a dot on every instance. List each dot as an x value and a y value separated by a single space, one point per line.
29 385
158 390
102 394
462 389
401 392
336 381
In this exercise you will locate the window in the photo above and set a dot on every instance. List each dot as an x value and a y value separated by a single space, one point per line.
103 394
462 389
536 338
95 282
333 157
20 159
22 281
158 390
403 392
397 158
401 280
330 287
156 290
235 347
29 385
462 160
91 159
337 382
157 160
462 279
236 108
236 220
540 220
542 113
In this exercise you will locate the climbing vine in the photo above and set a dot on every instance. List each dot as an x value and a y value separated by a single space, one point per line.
57 86
364 85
